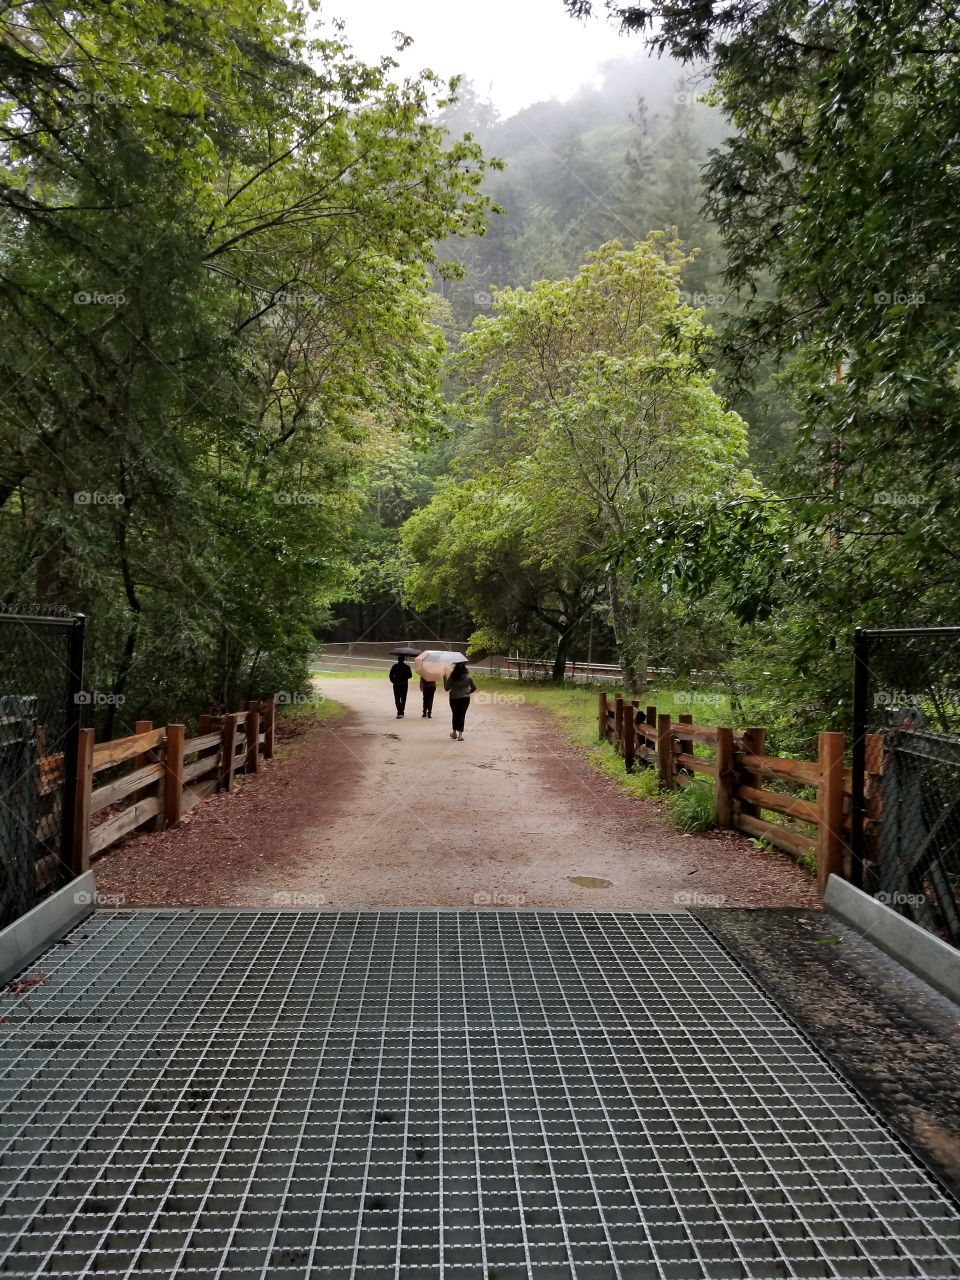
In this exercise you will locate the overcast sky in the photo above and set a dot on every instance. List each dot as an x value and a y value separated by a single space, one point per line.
521 51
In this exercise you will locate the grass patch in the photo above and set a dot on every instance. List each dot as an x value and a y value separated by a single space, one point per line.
322 674
710 709
808 861
297 717
691 808
642 783
328 709
575 708
760 842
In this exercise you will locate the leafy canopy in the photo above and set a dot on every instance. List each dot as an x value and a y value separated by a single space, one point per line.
599 412
215 248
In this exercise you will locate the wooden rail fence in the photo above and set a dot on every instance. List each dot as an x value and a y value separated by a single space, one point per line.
740 768
165 774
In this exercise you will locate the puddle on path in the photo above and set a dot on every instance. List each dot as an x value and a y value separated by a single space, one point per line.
590 882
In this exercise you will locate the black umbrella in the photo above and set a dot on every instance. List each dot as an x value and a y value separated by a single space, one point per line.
405 652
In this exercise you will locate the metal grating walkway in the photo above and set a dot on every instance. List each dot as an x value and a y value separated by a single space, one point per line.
430 1093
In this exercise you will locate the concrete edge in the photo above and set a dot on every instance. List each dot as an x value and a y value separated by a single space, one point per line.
926 955
28 937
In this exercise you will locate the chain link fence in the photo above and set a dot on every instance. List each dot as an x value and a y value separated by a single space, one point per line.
41 667
905 816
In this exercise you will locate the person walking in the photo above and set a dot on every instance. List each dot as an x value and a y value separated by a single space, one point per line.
428 688
400 675
459 684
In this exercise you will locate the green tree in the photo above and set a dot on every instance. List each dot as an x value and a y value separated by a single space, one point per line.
214 275
837 197
492 543
601 398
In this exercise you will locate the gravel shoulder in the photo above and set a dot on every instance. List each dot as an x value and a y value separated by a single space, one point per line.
892 1035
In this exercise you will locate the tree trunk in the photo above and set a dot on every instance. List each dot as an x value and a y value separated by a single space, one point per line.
641 654
50 575
560 660
120 683
133 600
626 633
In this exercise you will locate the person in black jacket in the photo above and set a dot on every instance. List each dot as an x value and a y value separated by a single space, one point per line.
428 688
400 675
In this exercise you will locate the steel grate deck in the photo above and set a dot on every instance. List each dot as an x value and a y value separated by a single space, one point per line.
435 1093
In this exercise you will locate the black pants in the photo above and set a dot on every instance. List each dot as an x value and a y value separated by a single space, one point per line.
459 708
400 694
428 695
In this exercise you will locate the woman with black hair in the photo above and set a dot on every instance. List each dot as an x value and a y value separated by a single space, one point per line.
459 684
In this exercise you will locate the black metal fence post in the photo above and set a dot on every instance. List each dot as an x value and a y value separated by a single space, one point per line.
41 676
905 796
861 685
73 713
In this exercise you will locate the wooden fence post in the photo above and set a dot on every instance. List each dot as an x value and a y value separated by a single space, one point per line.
726 779
829 808
205 724
81 812
629 741
618 721
228 745
754 742
173 775
139 762
686 744
145 757
665 769
650 747
873 794
253 737
602 716
270 711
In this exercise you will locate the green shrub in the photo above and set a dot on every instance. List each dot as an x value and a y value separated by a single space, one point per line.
691 808
808 861
641 783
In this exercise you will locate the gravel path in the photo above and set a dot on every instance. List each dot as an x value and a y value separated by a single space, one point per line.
895 1037
371 811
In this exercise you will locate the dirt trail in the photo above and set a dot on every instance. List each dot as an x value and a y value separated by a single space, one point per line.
373 811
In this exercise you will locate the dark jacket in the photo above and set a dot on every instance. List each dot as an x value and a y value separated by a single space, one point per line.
400 671
427 684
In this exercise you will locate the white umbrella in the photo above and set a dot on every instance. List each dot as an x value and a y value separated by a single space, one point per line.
435 664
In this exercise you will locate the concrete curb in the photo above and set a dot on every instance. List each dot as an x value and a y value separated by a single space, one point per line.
28 937
926 955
